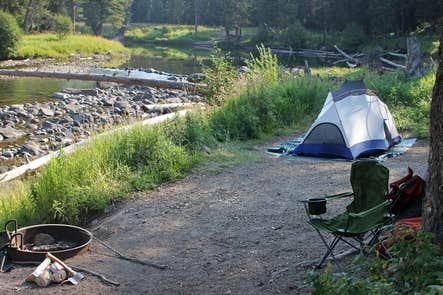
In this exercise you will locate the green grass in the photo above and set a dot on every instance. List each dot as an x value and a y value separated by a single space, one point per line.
48 45
170 34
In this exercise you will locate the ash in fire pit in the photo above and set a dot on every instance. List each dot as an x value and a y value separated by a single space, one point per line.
62 240
46 242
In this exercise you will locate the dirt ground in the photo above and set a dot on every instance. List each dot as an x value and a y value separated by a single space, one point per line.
240 231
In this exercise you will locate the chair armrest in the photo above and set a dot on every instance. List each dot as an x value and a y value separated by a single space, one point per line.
332 197
339 196
369 211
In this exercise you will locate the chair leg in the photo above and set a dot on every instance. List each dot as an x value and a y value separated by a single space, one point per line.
329 251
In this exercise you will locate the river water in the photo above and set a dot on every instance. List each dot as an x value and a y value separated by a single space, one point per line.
167 59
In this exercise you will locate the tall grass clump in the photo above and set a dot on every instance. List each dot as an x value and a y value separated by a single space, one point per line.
16 202
264 66
149 155
49 45
72 187
267 101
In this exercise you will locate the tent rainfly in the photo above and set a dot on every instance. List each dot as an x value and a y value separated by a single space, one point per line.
353 123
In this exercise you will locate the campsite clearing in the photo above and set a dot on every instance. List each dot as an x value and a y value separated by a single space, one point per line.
240 231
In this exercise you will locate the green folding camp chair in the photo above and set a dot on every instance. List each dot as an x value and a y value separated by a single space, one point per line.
362 222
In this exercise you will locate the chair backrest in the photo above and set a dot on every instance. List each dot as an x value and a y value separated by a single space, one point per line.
369 180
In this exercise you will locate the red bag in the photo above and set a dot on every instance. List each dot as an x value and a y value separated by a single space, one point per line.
406 195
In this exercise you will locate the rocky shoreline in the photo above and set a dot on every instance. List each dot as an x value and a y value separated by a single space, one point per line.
31 130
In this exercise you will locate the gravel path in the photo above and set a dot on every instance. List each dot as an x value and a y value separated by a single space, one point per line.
240 231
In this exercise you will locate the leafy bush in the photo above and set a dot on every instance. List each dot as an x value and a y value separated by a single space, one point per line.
62 25
415 268
9 34
353 36
220 77
264 67
296 36
263 36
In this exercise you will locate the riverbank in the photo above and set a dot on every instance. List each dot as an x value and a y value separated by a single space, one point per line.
48 45
171 34
31 130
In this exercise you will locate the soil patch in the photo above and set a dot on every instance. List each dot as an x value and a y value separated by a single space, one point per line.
240 231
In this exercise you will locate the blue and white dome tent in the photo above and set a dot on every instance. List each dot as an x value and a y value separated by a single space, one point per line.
353 123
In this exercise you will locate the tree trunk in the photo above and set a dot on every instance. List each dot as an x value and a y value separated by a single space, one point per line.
196 15
414 62
433 204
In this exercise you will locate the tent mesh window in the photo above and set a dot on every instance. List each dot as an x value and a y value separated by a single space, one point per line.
325 133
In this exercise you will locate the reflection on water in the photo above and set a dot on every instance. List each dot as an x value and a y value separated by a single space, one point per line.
24 90
178 60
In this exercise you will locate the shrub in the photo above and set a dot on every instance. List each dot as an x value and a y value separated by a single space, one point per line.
62 25
353 36
9 34
220 77
263 36
263 67
415 268
296 36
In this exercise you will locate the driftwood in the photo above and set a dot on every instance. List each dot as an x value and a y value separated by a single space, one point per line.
308 53
393 64
350 60
105 78
168 107
130 259
19 171
405 56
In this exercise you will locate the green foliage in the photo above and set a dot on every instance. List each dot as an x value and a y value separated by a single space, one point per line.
169 34
296 36
352 37
264 106
49 45
220 77
9 34
263 36
97 12
192 132
264 67
62 26
72 188
415 268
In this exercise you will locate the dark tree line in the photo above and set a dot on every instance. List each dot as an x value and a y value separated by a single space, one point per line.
37 15
374 17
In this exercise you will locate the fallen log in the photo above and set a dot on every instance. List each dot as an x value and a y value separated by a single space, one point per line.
391 63
405 56
105 78
352 60
168 107
33 165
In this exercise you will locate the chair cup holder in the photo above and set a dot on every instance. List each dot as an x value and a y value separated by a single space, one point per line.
317 206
